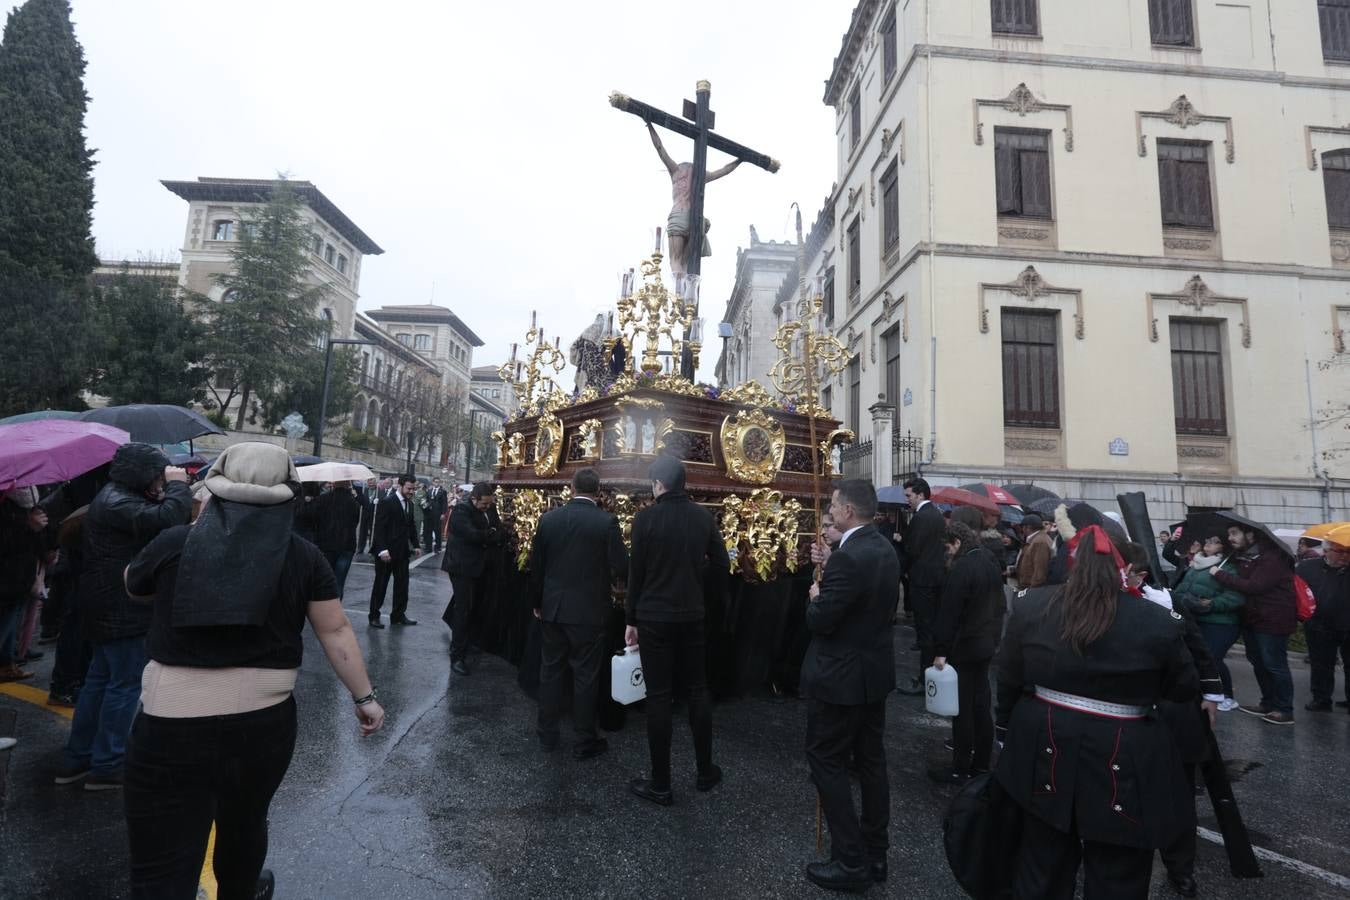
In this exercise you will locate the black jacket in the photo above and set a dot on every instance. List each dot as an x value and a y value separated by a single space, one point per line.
437 504
1331 589
675 541
367 498
470 537
21 550
336 517
970 616
1187 720
394 530
1118 781
577 553
925 553
851 658
121 521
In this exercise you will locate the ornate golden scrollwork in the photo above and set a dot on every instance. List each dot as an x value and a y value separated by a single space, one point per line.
675 384
753 444
624 510
526 508
587 394
749 393
500 438
761 532
838 436
548 446
515 449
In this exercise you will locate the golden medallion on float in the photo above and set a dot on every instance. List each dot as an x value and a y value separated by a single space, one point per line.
548 446
752 445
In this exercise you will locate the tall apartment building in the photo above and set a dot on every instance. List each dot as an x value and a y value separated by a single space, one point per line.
762 269
1104 250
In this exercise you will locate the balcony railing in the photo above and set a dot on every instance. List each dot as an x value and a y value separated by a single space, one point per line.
906 454
856 459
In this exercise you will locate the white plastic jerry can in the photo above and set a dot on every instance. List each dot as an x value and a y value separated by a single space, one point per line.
940 694
626 684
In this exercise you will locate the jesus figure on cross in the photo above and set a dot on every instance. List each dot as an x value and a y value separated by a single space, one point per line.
681 183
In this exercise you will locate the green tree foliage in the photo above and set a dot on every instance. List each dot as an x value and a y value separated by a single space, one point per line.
265 334
46 199
148 348
303 393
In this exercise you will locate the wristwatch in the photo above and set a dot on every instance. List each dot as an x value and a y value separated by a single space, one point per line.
368 698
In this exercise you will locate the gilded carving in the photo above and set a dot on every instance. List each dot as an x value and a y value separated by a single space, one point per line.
624 509
761 532
840 437
749 393
752 445
548 445
526 508
500 438
591 431
515 450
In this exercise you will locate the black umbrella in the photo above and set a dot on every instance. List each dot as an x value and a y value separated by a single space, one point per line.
1263 530
154 423
1028 494
1045 507
304 459
1201 525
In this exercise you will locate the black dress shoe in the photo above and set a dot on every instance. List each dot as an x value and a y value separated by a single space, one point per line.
1343 704
915 688
267 884
403 621
459 668
878 870
709 780
33 656
835 876
548 743
376 623
1318 706
644 789
949 777
1183 884
590 749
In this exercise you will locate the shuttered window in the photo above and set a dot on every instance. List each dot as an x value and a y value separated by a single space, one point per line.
1171 22
891 339
1030 369
888 52
855 394
1334 16
890 207
1336 181
828 297
1022 172
1197 377
854 259
1183 183
1015 17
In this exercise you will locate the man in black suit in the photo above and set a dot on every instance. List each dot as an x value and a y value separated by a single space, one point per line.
848 671
466 551
926 565
369 497
577 553
676 546
433 511
392 542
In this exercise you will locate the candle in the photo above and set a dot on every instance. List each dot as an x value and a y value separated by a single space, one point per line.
657 248
820 286
513 351
557 343
532 318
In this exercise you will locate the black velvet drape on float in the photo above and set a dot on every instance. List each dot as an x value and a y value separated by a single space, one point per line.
756 633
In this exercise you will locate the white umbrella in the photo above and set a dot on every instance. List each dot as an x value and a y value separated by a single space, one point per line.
335 471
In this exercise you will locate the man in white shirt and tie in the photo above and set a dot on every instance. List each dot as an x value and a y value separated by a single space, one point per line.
392 542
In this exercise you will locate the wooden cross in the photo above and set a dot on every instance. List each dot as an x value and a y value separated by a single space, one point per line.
700 122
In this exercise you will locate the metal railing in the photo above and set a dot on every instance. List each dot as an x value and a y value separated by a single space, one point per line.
906 454
856 459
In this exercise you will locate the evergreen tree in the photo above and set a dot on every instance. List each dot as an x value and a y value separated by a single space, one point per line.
265 334
304 393
149 349
46 198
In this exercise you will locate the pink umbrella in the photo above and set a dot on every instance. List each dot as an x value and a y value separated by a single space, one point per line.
52 450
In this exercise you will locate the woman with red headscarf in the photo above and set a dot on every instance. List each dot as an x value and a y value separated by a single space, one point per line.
1094 771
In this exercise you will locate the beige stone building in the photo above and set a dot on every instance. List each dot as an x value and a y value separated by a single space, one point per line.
762 270
1103 252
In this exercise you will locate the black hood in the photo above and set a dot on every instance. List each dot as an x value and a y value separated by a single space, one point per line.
136 466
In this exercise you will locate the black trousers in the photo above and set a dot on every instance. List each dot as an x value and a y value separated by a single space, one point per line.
1179 856
973 727
834 735
1048 860
182 774
671 652
464 590
398 568
363 535
1323 646
925 605
73 653
431 533
581 648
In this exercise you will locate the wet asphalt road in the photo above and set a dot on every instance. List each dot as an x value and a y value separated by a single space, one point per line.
454 799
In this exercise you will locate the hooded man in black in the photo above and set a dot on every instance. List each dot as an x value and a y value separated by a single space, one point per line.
143 497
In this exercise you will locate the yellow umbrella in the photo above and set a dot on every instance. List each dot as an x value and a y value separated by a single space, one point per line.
1320 532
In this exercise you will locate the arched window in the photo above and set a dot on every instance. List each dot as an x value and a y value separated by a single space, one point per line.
359 413
1336 181
373 418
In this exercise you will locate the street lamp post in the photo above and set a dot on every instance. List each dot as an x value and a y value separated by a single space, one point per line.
468 449
323 397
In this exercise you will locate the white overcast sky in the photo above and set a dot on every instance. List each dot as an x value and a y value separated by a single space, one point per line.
472 141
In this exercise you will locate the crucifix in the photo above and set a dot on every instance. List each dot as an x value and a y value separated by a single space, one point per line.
685 229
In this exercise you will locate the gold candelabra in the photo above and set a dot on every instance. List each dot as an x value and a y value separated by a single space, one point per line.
807 354
531 375
652 310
